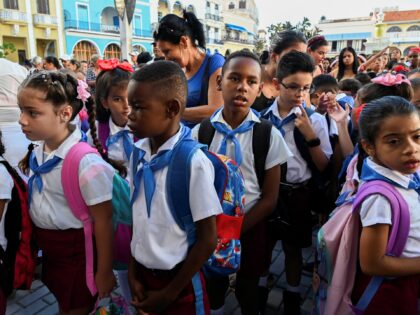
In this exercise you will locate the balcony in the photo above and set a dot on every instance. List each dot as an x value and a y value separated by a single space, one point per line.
45 20
239 40
214 17
110 29
403 37
13 17
89 26
142 33
213 41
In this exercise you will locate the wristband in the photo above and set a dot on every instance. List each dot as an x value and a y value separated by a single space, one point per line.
313 143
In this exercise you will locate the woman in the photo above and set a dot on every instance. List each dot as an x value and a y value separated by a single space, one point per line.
75 66
92 73
182 40
347 64
285 42
318 49
51 63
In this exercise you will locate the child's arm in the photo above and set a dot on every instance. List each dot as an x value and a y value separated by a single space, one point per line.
268 200
340 116
373 261
136 288
156 301
102 218
2 206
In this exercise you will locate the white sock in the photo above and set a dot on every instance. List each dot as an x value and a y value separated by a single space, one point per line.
292 288
263 281
218 311
123 282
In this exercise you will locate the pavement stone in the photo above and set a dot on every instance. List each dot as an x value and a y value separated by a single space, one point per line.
50 310
37 306
33 297
50 299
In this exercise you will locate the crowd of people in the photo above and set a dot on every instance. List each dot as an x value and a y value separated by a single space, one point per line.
292 119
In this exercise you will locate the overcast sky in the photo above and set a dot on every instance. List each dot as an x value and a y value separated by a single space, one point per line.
274 11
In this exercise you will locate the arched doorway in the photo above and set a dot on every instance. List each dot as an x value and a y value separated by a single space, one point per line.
138 48
84 50
50 49
112 51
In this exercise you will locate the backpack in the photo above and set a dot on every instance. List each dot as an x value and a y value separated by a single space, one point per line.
121 213
337 247
18 262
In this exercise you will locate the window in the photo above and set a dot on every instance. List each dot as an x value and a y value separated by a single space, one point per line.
43 6
334 45
216 7
349 43
160 16
242 4
208 4
413 28
112 51
363 48
84 50
231 5
394 29
11 4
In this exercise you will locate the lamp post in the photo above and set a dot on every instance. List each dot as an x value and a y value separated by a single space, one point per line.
125 9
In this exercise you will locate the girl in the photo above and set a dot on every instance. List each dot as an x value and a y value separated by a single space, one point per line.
285 42
48 103
347 64
181 39
390 134
317 49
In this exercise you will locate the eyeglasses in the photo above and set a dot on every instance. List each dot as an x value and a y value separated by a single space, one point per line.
298 89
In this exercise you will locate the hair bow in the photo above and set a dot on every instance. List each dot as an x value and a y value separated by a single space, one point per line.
400 68
82 93
414 50
315 39
357 111
391 79
111 64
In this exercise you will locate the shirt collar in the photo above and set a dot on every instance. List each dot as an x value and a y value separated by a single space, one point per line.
274 108
218 116
113 128
397 177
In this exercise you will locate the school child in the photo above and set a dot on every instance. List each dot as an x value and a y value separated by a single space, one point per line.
163 272
415 84
111 110
296 200
234 128
390 135
49 101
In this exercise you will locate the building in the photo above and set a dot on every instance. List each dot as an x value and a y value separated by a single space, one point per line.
349 32
241 25
214 25
95 27
395 28
34 27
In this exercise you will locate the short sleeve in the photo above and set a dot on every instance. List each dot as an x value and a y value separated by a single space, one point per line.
279 152
375 210
217 61
194 132
6 184
204 201
333 128
319 123
95 178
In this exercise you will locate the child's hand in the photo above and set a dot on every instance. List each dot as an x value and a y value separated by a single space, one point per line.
105 282
137 293
337 113
303 123
156 301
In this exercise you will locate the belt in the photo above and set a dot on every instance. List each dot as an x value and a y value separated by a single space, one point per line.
162 273
293 186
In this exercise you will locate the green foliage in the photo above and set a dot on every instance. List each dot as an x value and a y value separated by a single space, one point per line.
6 49
259 45
305 26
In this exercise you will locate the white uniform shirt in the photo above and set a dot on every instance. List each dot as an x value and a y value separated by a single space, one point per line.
158 242
277 154
377 210
49 208
6 187
297 168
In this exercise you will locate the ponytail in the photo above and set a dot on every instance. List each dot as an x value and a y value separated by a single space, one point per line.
197 31
24 163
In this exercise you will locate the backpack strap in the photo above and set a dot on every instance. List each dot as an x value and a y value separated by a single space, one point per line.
103 133
206 132
71 188
261 136
398 234
204 91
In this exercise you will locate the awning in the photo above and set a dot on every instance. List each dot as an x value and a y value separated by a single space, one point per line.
348 36
236 28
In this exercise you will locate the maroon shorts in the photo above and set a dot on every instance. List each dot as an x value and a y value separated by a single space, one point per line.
64 267
185 302
394 296
3 302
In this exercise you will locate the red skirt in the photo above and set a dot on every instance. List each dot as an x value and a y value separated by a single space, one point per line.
185 302
64 267
395 296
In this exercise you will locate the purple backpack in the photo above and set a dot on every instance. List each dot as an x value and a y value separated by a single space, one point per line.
337 248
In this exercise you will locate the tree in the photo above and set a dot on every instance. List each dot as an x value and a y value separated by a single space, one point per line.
259 45
6 49
305 26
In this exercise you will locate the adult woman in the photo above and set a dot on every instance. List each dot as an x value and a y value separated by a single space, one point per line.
285 42
317 49
51 63
347 64
92 73
75 66
182 41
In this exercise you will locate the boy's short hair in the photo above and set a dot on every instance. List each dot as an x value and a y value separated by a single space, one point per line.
294 62
167 79
363 78
325 83
241 53
351 85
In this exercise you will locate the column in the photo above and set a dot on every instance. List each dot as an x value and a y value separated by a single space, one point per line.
31 35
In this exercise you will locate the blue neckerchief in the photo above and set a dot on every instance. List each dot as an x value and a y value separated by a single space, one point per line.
280 123
161 160
369 174
127 141
230 135
38 170
84 136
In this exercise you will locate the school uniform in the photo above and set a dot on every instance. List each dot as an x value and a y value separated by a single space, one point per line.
296 188
255 255
158 244
395 295
58 232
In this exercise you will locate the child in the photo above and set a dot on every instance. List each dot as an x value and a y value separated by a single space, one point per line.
234 126
48 103
162 266
415 84
390 134
349 87
294 79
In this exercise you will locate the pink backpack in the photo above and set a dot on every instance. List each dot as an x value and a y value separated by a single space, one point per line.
338 242
121 214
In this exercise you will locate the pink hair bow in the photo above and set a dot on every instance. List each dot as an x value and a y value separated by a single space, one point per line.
82 93
391 79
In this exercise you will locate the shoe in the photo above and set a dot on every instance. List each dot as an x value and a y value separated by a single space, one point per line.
291 303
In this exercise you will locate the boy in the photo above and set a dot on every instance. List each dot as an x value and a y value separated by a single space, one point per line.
234 131
162 265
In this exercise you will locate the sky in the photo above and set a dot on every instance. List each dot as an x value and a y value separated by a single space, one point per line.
275 11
